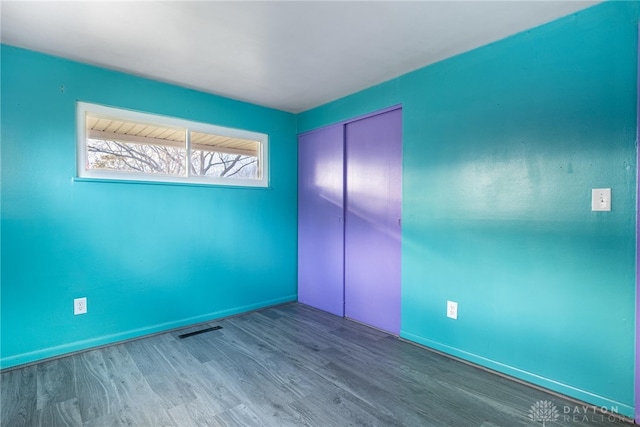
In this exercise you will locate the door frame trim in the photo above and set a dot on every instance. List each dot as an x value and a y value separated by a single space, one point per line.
354 119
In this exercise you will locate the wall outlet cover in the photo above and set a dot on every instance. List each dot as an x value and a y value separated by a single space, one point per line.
452 310
80 306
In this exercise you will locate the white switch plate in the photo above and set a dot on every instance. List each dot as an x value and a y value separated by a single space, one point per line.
80 306
601 199
452 309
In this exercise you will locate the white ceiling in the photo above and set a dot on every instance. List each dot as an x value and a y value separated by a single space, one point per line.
290 55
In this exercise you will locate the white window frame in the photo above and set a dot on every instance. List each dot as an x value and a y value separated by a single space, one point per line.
118 113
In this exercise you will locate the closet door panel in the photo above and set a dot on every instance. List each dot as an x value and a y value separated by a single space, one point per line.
321 219
372 228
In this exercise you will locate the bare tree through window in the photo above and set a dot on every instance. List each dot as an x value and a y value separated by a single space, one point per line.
213 163
130 145
168 160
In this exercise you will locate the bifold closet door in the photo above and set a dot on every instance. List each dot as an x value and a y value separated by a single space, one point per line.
372 228
321 219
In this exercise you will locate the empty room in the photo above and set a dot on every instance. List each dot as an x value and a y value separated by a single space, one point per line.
319 213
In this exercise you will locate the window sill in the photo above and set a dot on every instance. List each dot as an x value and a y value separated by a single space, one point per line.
172 183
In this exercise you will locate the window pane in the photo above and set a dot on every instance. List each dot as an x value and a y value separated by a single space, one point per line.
127 146
118 144
221 156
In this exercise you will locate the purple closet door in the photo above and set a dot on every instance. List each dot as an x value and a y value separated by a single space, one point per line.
321 219
372 228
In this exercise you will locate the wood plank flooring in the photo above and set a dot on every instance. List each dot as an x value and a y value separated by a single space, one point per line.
284 366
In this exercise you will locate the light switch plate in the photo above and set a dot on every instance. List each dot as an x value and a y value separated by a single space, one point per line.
601 199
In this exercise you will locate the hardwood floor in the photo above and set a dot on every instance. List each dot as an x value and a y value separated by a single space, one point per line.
284 366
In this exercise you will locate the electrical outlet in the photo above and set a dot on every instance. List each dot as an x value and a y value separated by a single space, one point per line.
452 310
80 306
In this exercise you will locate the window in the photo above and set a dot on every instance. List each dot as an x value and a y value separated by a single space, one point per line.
119 144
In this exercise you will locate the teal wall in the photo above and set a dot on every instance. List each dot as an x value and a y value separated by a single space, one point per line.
502 146
147 257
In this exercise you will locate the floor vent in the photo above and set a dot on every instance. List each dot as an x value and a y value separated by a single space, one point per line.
201 331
